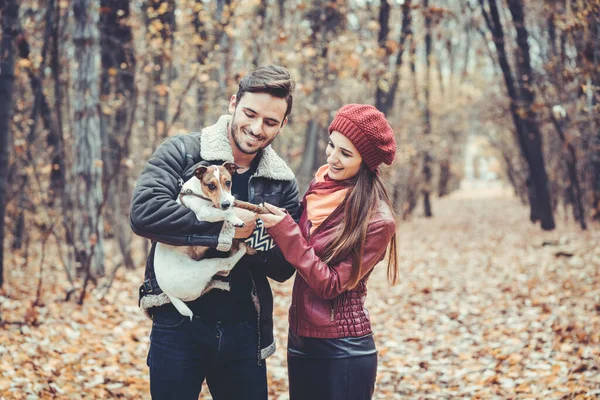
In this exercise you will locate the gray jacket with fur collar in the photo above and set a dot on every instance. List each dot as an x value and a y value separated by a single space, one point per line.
154 214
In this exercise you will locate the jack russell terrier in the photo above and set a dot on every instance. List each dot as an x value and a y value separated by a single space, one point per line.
182 272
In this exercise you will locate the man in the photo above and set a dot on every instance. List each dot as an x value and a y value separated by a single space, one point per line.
231 333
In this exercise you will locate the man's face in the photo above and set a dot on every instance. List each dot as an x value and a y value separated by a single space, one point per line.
257 119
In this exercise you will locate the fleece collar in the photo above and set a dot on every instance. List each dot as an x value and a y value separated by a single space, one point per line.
215 146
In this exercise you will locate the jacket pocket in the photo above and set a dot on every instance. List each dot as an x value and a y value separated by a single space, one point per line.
168 320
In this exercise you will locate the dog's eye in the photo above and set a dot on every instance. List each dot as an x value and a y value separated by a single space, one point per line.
228 183
211 186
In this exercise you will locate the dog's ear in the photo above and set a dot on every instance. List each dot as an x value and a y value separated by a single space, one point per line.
231 167
200 171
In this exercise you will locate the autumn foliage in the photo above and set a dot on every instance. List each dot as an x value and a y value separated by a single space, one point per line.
500 91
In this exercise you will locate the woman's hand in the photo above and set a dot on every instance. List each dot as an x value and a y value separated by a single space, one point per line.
270 220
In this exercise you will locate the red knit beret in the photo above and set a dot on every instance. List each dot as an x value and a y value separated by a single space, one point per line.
369 132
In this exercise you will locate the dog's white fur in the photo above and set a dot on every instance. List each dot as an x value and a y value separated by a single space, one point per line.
179 276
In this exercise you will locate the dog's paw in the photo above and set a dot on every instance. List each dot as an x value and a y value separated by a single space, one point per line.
238 223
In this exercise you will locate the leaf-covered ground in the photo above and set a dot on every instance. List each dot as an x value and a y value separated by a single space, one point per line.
488 307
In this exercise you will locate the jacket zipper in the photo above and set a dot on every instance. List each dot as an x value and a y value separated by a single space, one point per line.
250 191
332 307
295 303
333 213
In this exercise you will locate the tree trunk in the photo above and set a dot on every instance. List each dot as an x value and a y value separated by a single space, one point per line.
160 28
528 134
445 174
261 17
405 33
40 101
383 85
311 146
10 16
575 193
532 138
87 172
117 92
427 160
593 100
206 41
57 176
325 20
199 22
465 65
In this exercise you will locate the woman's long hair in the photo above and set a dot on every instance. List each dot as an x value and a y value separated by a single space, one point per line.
361 202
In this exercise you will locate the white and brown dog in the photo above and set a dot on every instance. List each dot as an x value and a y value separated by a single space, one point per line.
182 272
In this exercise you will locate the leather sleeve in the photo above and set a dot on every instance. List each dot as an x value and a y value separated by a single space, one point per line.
276 266
154 213
327 281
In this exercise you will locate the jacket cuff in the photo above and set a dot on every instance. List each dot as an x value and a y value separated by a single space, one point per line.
282 227
226 236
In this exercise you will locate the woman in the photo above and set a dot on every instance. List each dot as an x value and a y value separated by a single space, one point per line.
346 226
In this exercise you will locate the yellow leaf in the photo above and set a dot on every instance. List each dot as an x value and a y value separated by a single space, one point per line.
161 89
24 63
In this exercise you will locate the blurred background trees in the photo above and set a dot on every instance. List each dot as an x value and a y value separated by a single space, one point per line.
88 90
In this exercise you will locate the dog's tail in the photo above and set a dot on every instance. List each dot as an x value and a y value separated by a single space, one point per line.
182 307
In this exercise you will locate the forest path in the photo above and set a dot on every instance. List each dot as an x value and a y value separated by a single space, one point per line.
482 310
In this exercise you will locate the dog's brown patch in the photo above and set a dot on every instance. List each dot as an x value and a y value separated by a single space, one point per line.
212 187
196 253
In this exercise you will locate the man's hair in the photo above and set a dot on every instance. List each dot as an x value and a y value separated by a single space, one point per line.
271 79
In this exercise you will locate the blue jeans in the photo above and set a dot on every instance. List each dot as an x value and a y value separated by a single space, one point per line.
183 353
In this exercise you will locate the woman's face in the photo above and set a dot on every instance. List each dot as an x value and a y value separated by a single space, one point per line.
343 159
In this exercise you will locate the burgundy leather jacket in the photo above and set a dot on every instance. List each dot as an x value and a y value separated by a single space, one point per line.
321 308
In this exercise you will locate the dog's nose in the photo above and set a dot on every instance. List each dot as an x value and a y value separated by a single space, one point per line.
225 205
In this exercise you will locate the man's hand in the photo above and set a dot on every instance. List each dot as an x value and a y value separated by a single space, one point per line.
249 221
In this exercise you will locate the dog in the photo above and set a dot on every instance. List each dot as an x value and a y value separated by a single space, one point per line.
183 272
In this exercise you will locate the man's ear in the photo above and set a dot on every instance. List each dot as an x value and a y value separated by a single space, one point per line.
285 121
232 104
200 171
231 167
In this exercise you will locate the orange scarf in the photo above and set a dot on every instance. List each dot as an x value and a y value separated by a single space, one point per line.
324 197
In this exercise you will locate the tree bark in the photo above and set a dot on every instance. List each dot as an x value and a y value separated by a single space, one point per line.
160 28
199 22
57 176
427 159
405 34
383 86
87 172
532 137
325 19
10 16
593 101
523 116
206 41
445 174
261 17
117 93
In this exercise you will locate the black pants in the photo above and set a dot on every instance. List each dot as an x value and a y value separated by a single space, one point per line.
332 379
183 353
